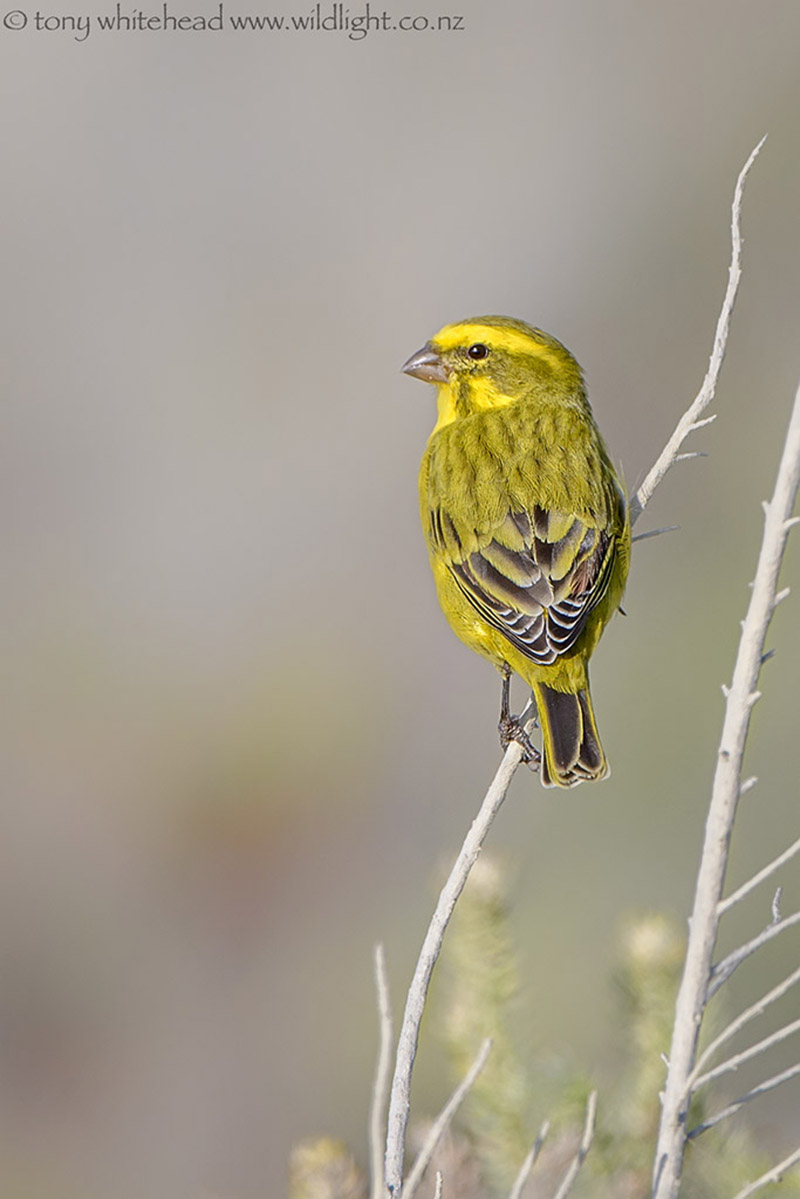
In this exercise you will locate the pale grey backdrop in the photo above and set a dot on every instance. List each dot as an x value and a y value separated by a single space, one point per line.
240 736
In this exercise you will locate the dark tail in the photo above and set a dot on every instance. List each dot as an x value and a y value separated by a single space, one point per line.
572 749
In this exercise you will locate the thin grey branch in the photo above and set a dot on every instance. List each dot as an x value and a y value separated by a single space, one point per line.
437 1194
724 969
529 1163
745 889
383 1074
399 1100
655 533
735 1026
689 422
583 1148
442 1121
733 1063
762 1089
693 992
776 906
774 1175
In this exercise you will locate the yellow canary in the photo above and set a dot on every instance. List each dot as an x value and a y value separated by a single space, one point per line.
526 522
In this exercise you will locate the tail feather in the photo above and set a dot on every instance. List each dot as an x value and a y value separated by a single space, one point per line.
572 749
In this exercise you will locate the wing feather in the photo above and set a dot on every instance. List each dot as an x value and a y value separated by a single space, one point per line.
535 578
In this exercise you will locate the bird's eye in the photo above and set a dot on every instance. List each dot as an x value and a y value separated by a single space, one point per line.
478 351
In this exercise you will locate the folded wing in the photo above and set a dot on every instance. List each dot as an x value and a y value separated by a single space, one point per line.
536 578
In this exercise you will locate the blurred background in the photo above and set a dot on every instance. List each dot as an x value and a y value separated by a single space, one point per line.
239 739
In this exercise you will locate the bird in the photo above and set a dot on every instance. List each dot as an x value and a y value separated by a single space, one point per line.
527 525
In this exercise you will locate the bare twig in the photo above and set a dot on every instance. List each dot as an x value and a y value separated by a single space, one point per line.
724 969
742 695
437 1194
690 421
583 1148
776 905
733 1063
763 1087
741 1020
383 1069
745 889
440 1124
655 533
431 946
529 1163
774 1175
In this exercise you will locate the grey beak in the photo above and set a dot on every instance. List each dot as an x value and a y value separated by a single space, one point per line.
427 365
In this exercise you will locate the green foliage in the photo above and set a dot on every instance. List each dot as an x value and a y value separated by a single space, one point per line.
322 1168
480 986
477 996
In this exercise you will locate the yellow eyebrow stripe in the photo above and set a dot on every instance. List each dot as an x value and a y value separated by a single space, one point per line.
512 340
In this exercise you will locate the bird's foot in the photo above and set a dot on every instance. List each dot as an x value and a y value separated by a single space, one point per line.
511 728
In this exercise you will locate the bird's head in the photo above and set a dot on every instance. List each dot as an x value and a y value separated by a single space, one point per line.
490 362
